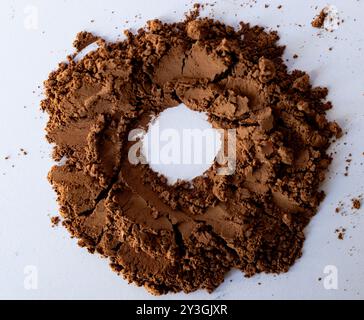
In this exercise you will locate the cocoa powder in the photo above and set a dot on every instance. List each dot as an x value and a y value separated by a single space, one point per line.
319 20
187 236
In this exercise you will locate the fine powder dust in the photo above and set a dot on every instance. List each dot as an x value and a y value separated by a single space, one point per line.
187 236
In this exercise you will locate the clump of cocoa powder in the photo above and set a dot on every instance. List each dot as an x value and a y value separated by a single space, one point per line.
319 20
356 203
340 233
55 221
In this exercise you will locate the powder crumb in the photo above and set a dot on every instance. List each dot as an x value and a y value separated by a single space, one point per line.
7 158
356 203
55 221
23 151
348 160
340 233
84 39
328 19
295 56
319 20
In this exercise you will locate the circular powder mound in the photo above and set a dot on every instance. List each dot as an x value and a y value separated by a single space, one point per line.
187 236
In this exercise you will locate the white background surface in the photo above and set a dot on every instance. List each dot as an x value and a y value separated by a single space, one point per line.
181 144
27 201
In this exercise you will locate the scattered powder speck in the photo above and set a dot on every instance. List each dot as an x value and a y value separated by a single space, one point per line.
348 161
319 20
327 19
352 250
356 203
346 208
55 221
340 233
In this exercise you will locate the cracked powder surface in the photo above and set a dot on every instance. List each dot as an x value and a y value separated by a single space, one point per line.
187 236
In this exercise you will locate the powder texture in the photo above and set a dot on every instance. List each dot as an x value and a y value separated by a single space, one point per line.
187 236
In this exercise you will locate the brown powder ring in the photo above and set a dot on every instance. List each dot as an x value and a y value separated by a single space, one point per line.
178 238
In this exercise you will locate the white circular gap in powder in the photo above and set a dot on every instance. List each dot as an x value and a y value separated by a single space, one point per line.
181 144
